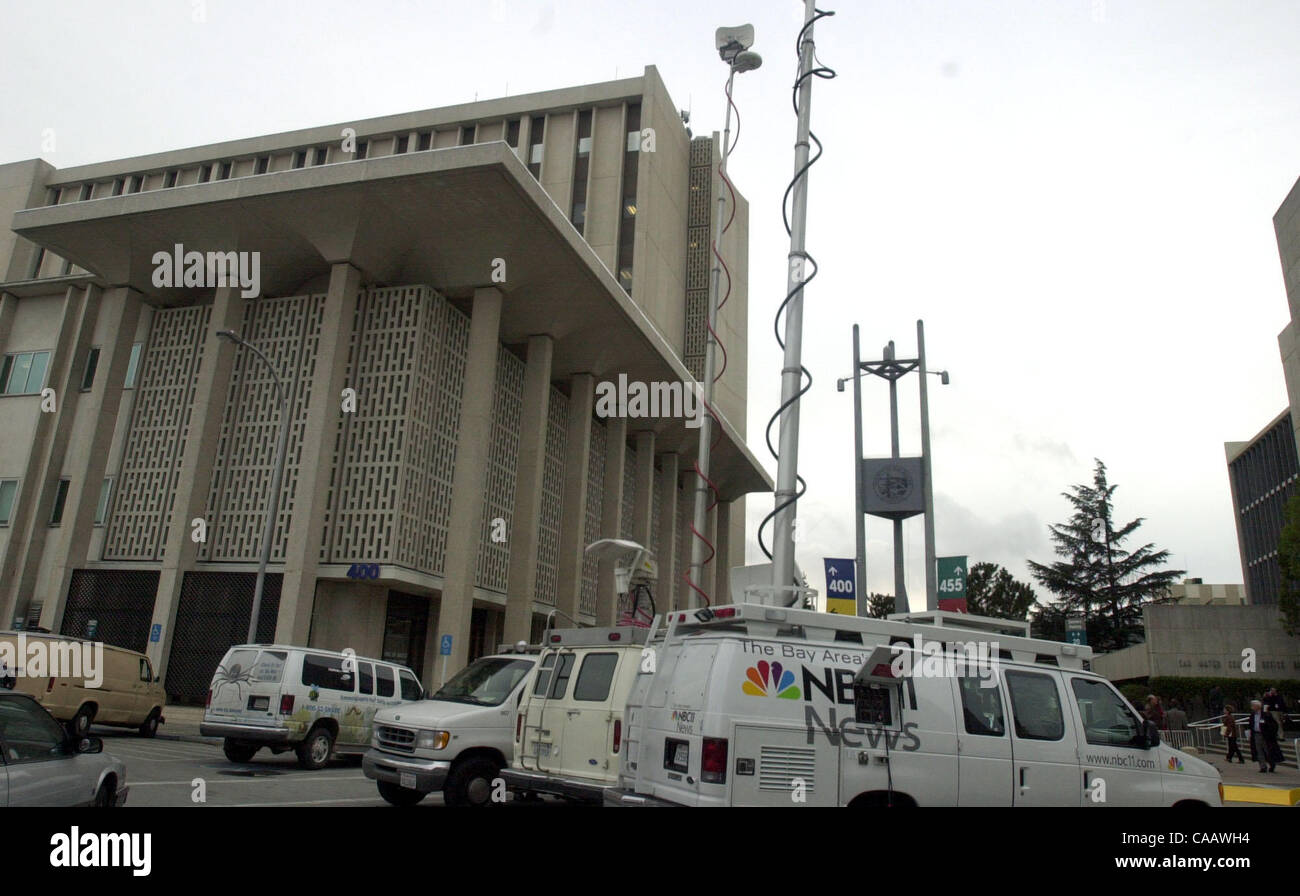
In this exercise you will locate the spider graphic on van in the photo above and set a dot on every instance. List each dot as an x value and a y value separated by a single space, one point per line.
236 675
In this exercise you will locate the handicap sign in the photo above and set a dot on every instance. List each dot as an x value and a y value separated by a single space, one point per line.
445 646
155 633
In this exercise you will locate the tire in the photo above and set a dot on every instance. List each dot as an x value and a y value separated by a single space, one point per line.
149 727
314 752
470 783
80 724
106 795
237 751
399 796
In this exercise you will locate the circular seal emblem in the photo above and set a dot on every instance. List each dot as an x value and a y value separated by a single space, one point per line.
892 484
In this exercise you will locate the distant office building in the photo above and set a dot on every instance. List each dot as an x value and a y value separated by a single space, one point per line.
1263 471
1194 593
443 292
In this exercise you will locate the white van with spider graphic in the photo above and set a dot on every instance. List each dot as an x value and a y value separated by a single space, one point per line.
312 701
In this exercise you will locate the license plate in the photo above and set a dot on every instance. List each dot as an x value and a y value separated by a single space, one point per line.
259 703
407 780
543 751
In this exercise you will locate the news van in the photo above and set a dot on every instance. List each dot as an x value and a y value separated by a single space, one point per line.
312 701
763 705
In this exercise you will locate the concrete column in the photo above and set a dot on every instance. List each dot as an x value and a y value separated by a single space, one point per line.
315 468
526 515
40 478
474 434
644 477
104 403
666 556
725 558
195 477
577 457
611 514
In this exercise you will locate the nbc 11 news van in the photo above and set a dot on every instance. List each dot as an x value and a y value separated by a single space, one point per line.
764 705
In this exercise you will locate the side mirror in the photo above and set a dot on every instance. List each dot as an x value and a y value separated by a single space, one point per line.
1152 734
90 745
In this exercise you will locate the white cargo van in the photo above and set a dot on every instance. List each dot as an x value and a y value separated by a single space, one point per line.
756 705
314 702
569 730
456 741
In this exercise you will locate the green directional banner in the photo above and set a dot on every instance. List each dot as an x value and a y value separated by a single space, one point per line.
952 583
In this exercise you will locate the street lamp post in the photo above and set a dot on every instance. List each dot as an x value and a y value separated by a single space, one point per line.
277 478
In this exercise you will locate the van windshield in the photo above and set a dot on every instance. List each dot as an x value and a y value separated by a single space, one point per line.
485 682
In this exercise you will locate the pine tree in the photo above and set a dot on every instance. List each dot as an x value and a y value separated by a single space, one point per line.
992 591
1288 558
880 605
1099 578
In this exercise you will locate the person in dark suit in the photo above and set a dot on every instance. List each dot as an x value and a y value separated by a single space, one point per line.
1263 737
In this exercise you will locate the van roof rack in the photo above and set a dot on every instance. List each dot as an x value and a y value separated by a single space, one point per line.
949 619
600 635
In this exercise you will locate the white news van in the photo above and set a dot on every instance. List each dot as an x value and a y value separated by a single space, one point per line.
314 702
758 705
456 741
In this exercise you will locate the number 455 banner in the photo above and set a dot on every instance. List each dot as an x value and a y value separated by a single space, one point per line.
841 587
952 583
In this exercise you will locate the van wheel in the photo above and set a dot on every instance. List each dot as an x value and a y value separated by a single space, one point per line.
81 722
398 796
238 752
150 725
315 751
470 783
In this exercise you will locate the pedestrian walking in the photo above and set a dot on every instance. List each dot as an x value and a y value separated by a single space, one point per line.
1154 712
1228 728
1263 737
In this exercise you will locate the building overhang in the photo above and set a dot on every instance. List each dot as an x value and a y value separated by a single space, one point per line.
440 217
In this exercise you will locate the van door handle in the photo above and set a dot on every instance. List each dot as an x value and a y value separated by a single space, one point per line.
1022 777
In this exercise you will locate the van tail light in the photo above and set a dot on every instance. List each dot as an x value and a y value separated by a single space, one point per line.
519 725
618 734
713 761
208 705
286 705
49 687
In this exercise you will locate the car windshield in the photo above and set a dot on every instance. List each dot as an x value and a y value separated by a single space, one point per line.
485 682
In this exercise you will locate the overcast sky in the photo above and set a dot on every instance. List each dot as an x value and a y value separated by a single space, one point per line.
1076 196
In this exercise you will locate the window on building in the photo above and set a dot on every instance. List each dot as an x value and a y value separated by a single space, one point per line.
56 193
60 499
169 180
426 141
536 133
321 152
300 159
105 495
38 262
263 165
362 148
87 190
8 491
205 174
23 373
133 366
627 216
223 172
137 181
88 375
512 133
118 186
401 144
467 135
581 166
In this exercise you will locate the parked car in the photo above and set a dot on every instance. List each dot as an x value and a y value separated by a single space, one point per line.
121 690
42 764
314 702
456 741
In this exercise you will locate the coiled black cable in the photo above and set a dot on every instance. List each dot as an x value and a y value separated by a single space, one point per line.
817 71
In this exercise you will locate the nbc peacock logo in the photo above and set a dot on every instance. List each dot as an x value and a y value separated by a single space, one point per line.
764 680
1175 764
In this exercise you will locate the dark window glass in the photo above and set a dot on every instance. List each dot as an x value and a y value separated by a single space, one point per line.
426 141
169 179
37 263
224 173
56 193
1035 706
320 155
87 190
536 133
385 681
595 677
263 164
60 499
205 174
92 362
101 507
8 489
300 158
512 133
410 686
24 373
118 186
137 181
555 684
1107 719
362 148
366 677
467 135
320 671
402 142
627 216
982 706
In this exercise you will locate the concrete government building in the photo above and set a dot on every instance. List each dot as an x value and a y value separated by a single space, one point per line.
470 275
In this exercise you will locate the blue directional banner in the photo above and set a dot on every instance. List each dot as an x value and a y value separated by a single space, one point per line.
841 587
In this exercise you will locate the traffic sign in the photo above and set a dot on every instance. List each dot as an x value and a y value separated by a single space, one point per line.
841 587
445 646
155 633
1076 630
952 583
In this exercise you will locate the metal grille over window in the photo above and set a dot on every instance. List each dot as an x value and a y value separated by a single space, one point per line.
120 601
211 616
548 536
499 493
699 226
595 505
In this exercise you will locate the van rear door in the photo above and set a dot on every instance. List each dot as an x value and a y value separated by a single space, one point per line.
544 713
246 686
590 712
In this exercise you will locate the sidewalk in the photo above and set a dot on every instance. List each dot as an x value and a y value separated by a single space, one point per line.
182 723
1246 784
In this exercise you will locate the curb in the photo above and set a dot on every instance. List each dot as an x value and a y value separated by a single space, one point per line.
1271 796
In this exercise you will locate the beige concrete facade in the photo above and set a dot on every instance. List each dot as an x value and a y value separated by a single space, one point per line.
466 299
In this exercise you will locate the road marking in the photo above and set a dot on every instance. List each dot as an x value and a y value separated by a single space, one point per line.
261 779
369 799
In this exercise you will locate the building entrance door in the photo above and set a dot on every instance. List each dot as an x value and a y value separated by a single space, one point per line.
405 628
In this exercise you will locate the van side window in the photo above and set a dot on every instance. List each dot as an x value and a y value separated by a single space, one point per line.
1107 720
384 676
146 672
325 672
554 687
982 706
595 676
1035 706
410 685
366 677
